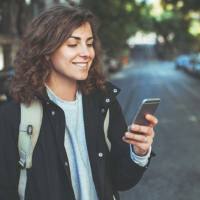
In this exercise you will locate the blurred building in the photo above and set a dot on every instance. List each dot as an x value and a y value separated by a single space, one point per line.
14 15
142 45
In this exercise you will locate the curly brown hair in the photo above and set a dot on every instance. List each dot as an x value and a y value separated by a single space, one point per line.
44 35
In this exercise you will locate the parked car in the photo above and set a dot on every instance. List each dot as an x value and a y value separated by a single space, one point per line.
5 78
183 62
112 65
190 63
196 64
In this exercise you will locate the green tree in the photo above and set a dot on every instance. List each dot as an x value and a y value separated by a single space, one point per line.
118 20
186 5
181 22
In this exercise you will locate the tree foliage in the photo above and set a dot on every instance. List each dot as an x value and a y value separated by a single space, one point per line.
179 24
187 5
118 20
122 18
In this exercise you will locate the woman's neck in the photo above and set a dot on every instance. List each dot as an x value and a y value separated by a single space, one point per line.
65 90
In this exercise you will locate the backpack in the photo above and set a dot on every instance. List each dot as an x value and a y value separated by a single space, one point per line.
29 131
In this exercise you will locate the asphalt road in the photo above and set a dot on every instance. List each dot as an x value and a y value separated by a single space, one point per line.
174 174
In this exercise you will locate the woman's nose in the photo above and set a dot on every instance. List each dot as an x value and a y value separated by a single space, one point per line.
84 51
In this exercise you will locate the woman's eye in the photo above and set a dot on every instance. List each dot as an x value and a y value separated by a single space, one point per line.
72 45
90 45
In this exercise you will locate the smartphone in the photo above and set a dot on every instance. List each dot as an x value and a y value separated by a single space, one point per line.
148 106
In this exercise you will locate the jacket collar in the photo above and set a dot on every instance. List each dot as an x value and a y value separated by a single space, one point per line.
110 94
107 96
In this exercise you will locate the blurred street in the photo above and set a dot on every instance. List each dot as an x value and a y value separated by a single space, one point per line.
174 174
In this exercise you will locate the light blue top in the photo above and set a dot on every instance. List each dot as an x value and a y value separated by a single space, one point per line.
76 148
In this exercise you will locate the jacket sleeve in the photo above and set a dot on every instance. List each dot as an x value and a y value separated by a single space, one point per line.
8 153
124 172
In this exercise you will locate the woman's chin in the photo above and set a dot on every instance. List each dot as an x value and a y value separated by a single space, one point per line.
82 77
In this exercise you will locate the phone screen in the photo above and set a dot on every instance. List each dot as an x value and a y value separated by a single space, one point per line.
148 106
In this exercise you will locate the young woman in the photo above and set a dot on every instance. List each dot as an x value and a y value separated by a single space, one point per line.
59 65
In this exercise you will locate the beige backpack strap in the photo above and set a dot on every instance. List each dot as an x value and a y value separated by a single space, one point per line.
31 120
106 125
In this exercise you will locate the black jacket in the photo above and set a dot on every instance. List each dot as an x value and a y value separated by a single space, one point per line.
49 177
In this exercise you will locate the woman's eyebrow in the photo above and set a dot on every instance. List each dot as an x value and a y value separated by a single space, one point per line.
78 38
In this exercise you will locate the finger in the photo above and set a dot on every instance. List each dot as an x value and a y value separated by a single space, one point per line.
136 137
146 130
152 119
133 142
140 145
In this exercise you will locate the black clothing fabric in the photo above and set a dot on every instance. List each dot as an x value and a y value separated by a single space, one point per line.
49 177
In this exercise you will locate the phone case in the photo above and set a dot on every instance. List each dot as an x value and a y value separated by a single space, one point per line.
148 106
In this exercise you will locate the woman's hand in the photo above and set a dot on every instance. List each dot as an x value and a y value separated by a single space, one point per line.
141 137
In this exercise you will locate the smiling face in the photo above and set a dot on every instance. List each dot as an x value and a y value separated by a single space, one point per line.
73 59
